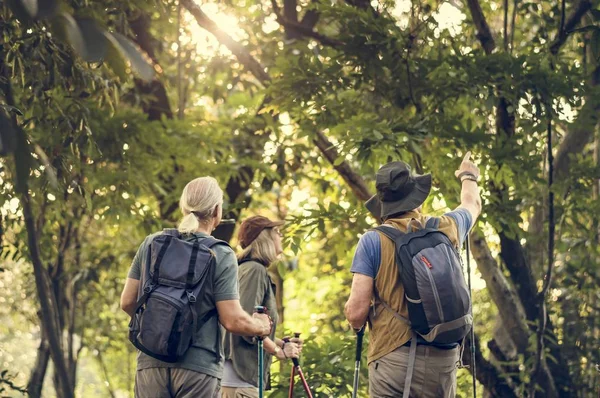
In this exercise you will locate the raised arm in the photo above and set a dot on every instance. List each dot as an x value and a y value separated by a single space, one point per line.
468 174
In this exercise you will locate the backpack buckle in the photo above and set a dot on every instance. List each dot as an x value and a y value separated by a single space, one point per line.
148 288
191 297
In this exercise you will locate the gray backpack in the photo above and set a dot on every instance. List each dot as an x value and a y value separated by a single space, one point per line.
437 296
166 320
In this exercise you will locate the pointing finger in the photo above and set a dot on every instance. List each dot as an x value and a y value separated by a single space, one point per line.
467 156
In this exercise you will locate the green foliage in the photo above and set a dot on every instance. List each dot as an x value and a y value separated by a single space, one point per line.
328 365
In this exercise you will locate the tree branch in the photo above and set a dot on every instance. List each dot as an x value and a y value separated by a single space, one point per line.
311 17
492 378
512 24
352 178
290 14
548 279
484 34
505 32
509 306
302 30
236 48
566 28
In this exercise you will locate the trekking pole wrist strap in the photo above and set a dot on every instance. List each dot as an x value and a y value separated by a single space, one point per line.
284 342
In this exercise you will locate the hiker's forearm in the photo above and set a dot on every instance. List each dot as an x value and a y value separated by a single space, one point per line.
356 317
470 199
236 320
243 325
269 345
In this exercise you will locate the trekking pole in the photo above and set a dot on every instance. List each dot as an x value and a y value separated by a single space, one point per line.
474 367
299 369
359 339
261 310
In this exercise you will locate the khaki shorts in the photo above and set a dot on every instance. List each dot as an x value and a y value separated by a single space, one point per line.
434 375
234 392
175 383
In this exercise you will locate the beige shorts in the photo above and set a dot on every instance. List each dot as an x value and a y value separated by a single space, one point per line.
234 392
434 375
175 383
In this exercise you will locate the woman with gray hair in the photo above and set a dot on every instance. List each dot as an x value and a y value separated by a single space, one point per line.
260 239
199 371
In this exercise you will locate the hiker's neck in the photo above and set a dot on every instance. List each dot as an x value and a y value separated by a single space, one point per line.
207 227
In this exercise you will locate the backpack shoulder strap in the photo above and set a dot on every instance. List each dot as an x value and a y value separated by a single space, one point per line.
433 223
210 241
171 232
391 232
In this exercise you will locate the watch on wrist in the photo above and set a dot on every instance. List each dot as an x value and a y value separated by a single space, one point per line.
469 178
467 174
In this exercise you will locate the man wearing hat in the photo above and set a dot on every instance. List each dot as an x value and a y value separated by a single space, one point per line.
398 202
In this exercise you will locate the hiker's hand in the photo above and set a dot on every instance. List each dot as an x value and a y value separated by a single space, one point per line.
467 167
265 323
290 350
298 341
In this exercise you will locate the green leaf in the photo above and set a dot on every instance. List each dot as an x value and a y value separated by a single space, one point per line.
95 44
595 44
115 60
66 28
50 172
339 160
133 54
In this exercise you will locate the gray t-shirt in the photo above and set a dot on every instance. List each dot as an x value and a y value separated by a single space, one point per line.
206 355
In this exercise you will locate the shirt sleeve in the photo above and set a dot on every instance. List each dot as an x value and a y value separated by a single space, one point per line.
226 278
367 256
135 271
463 221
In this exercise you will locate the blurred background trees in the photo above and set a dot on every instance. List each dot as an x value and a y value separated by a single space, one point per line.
108 108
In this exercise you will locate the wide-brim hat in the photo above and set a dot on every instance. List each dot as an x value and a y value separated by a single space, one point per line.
398 190
252 227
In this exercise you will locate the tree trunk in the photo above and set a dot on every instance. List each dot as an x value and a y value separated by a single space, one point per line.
49 311
36 379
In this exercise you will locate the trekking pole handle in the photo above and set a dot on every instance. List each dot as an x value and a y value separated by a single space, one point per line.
294 360
359 342
260 309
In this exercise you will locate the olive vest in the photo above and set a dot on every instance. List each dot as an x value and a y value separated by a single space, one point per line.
387 333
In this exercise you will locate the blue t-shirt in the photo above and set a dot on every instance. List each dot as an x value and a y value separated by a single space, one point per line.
368 252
